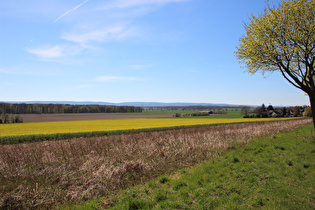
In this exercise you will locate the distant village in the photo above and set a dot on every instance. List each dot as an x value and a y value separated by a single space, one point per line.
270 111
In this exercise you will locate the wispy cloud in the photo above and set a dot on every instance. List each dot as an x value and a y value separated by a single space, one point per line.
93 29
23 69
51 52
136 3
55 51
116 79
70 11
109 33
5 71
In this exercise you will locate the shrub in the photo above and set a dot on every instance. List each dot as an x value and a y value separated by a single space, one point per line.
307 112
17 119
296 111
5 118
200 114
249 116
178 115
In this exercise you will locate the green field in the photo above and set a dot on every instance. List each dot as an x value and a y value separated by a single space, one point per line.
231 113
161 111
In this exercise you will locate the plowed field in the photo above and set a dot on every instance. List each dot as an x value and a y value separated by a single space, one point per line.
86 116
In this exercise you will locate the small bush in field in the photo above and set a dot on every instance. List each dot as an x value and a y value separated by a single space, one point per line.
16 119
5 118
200 114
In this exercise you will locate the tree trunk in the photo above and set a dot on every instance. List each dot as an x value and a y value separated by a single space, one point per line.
312 102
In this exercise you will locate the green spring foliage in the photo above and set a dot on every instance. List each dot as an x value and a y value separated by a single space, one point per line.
5 118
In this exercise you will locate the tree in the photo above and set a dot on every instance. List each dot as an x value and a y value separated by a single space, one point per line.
270 107
282 39
245 110
296 111
261 111
284 111
307 112
5 118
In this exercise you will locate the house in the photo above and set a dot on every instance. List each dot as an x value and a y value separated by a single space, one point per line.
206 112
275 113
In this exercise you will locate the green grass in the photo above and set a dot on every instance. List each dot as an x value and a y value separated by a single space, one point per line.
277 172
161 111
231 113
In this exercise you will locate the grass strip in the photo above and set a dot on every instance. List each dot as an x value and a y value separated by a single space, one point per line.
277 172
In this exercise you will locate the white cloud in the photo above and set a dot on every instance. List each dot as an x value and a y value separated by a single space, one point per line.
109 33
55 51
51 52
116 78
135 3
97 27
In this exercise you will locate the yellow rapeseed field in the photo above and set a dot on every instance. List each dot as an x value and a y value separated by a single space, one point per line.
110 125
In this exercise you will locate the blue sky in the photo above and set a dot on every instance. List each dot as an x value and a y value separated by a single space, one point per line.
132 50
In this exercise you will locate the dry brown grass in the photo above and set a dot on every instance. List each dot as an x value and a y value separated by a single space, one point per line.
70 171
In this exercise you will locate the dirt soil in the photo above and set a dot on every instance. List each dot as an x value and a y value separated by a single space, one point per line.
86 116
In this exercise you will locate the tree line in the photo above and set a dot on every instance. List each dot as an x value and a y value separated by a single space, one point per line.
192 107
6 118
23 108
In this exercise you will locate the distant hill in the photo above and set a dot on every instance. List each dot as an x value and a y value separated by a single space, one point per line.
139 104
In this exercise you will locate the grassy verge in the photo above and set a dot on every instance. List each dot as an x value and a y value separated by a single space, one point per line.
277 172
